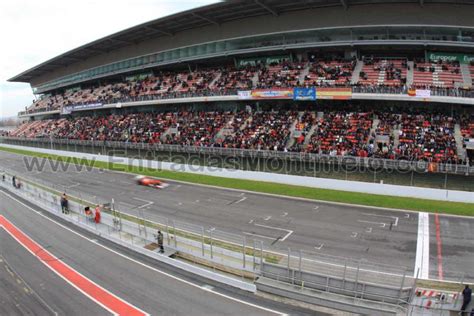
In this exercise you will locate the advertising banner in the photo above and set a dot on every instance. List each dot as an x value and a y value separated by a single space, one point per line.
71 108
275 93
245 95
304 94
419 93
462 58
262 60
334 93
66 110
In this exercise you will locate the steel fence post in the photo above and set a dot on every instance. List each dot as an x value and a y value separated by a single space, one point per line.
261 254
211 244
254 263
175 235
401 286
202 240
289 258
356 279
243 250
167 231
344 275
300 264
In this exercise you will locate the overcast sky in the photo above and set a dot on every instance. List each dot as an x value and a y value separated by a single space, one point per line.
34 31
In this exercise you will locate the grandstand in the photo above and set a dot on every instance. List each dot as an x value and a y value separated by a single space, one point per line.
268 75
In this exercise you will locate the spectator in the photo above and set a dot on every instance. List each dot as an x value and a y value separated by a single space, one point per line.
64 204
159 238
97 216
466 299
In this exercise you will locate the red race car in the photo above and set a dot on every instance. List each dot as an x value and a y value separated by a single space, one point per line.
150 182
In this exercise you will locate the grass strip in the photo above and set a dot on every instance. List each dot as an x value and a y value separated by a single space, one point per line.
415 204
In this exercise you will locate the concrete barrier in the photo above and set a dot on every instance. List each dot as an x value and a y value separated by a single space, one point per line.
342 185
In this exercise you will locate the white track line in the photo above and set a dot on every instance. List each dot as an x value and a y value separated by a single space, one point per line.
144 265
382 225
319 247
148 203
289 232
257 235
394 217
241 200
422 262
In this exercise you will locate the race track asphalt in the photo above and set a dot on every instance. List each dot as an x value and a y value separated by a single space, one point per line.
153 287
372 235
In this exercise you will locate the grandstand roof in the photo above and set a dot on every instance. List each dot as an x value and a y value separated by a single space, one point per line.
215 14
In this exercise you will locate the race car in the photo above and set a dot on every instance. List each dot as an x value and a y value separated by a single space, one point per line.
151 182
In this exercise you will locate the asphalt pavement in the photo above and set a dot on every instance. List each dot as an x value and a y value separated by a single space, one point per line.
384 237
150 286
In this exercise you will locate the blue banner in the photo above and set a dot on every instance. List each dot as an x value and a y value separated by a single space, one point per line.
304 94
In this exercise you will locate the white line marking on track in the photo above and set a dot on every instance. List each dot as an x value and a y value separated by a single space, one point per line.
74 185
257 235
319 247
211 229
422 261
368 230
125 203
354 234
251 221
145 265
315 208
284 214
289 232
148 203
407 215
382 225
241 200
393 217
267 218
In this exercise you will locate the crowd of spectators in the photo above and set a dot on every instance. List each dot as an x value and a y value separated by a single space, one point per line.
467 126
341 134
385 72
444 78
427 137
231 78
390 134
263 131
285 74
331 72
